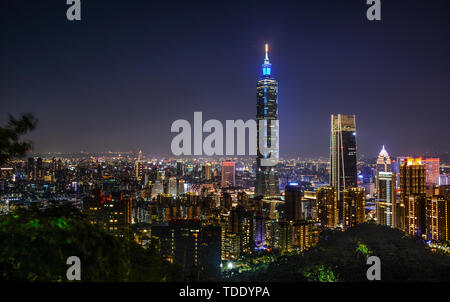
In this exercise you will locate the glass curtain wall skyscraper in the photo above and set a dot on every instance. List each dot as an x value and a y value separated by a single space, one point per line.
385 198
343 172
267 181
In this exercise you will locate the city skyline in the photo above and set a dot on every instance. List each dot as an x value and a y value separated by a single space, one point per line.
111 92
239 142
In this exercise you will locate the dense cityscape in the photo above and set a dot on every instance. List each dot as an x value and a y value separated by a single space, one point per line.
215 149
223 216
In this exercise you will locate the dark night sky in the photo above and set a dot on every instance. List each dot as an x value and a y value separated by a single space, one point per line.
118 79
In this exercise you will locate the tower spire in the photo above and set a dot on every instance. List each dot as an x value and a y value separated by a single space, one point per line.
266 65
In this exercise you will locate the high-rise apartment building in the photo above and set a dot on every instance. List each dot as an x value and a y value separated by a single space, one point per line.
172 188
412 177
157 188
412 195
231 244
180 169
305 234
241 223
185 241
31 169
354 205
396 165
39 170
111 212
139 167
56 169
260 231
281 237
415 214
438 218
327 207
207 171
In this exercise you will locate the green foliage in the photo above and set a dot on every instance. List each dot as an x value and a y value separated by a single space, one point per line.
36 244
319 274
10 144
363 249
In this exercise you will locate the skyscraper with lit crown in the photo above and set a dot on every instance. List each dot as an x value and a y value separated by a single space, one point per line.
384 161
267 181
385 184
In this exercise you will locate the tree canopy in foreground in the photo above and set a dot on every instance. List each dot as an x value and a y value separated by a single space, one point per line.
342 256
11 144
35 245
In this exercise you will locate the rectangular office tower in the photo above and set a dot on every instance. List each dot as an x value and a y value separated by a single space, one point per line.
432 170
228 174
386 198
267 181
293 202
343 172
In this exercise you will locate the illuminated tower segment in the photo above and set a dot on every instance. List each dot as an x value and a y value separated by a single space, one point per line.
384 161
385 198
267 182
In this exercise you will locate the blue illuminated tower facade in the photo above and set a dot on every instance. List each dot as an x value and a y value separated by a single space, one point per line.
267 181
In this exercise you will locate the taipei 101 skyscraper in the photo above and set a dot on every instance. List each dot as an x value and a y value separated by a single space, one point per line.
267 182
